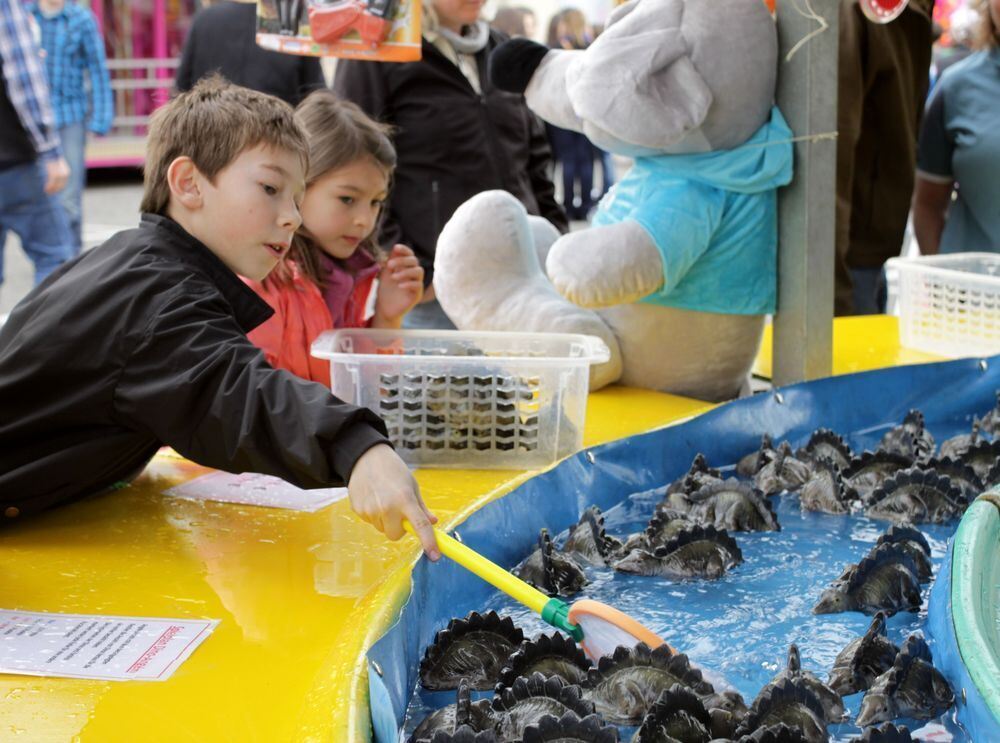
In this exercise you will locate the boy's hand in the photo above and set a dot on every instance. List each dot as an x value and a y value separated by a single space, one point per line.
383 493
400 286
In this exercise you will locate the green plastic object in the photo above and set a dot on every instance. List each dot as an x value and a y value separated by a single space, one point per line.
976 596
556 613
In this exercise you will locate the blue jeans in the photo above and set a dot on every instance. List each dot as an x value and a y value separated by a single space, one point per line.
35 217
74 142
576 155
869 290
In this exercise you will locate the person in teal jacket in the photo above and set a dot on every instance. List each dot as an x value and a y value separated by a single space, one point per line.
956 204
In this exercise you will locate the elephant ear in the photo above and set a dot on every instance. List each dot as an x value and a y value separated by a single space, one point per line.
637 79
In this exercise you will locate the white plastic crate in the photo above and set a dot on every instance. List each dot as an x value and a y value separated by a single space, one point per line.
949 305
482 400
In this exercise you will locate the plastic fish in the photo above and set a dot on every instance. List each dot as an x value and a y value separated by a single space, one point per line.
472 649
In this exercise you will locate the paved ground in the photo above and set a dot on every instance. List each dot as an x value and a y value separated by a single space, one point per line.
110 203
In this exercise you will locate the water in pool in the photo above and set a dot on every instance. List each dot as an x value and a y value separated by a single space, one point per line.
739 628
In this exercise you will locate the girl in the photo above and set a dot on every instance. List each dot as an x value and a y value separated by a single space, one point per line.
332 265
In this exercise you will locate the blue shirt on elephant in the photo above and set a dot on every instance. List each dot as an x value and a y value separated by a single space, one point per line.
714 219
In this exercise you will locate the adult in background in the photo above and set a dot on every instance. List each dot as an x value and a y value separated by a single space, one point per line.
456 135
960 152
223 39
962 29
32 167
884 76
80 90
519 21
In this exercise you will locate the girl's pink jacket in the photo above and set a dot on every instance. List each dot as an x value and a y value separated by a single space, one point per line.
302 312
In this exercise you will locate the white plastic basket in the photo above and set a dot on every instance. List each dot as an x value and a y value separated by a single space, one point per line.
482 400
949 305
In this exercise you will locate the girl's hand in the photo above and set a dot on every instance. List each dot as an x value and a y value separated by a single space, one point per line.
400 287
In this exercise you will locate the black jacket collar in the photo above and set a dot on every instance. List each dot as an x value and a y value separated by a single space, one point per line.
429 49
248 308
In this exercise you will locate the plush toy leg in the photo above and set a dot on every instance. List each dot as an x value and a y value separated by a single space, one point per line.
605 266
545 234
696 354
487 277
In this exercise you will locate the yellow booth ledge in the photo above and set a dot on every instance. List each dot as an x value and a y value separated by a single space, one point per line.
859 344
300 596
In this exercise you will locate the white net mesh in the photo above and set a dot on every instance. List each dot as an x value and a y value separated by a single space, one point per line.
601 637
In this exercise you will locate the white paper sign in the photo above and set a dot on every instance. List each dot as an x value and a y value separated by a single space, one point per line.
933 732
256 490
97 646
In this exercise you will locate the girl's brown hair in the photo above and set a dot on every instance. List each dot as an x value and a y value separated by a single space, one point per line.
338 133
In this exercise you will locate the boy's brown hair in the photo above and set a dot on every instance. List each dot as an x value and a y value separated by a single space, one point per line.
212 124
339 134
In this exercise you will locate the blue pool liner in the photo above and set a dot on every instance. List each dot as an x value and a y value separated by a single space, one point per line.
862 406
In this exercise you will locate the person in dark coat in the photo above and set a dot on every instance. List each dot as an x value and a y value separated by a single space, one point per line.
222 40
143 341
456 135
884 74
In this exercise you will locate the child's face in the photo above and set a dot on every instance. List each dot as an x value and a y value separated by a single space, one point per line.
341 207
250 213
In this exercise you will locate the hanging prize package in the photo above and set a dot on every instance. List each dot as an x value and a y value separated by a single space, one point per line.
379 30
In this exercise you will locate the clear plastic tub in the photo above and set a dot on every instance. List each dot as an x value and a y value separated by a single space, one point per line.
949 305
480 400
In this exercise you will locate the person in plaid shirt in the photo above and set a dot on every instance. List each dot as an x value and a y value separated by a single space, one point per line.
32 167
74 50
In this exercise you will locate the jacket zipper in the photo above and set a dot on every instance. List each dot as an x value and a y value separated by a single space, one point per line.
495 159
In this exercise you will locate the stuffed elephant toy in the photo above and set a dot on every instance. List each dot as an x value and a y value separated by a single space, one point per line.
678 269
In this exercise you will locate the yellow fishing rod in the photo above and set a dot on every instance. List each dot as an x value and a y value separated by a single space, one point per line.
553 611
597 627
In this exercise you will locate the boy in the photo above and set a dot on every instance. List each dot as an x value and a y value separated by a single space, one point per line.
143 342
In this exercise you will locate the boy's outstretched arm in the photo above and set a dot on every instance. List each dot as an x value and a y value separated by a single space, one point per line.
383 493
194 381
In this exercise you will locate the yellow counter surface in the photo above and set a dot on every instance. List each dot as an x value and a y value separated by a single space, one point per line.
859 344
300 596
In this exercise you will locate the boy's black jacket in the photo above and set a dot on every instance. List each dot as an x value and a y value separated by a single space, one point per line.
142 342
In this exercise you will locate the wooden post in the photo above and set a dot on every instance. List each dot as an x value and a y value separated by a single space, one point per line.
807 96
